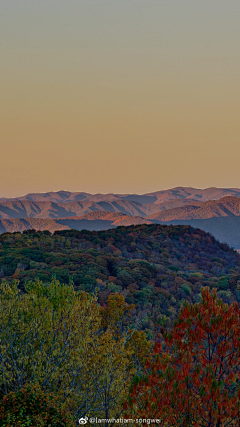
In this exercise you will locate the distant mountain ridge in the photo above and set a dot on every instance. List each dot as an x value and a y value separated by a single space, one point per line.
92 221
215 210
156 197
47 209
226 206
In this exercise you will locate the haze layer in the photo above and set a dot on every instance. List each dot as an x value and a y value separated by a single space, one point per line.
106 96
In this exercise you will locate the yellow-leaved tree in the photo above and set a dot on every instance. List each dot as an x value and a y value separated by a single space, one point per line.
56 338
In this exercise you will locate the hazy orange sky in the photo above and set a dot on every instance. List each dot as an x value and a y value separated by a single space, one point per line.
119 95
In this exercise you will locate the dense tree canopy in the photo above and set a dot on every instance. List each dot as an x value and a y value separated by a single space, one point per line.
57 338
155 267
30 406
194 379
79 311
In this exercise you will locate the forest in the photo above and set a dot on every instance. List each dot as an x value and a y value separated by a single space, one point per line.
155 267
66 360
137 324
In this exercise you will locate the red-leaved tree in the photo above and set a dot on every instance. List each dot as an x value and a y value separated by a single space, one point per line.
194 379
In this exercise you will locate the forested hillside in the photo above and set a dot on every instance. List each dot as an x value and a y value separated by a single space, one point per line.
156 267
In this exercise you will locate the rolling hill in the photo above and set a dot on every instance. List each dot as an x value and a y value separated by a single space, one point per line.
93 221
156 267
225 229
226 206
219 217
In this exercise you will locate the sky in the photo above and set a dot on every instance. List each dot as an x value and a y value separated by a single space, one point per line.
123 96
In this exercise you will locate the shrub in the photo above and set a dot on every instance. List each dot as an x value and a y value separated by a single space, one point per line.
30 406
186 289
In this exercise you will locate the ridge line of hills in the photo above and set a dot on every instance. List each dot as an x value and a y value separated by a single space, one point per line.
203 209
156 267
171 210
102 221
211 193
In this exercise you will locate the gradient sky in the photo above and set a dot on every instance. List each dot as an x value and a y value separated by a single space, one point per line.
119 95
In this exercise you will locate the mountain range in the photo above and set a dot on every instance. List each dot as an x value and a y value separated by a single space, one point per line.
215 210
49 209
212 193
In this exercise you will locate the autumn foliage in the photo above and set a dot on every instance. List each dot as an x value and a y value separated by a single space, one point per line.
30 406
63 342
156 267
194 379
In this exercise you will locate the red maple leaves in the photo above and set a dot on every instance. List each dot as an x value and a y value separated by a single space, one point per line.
194 377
